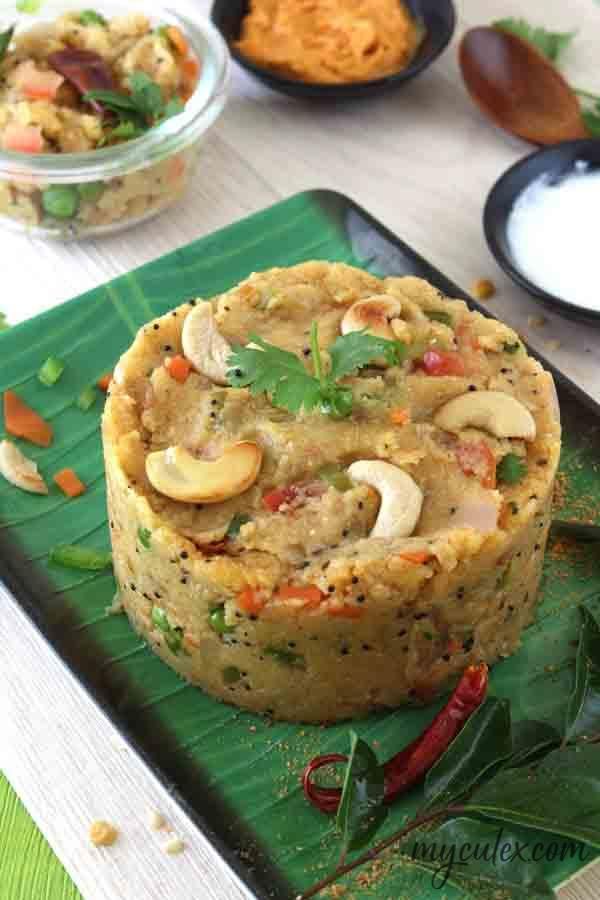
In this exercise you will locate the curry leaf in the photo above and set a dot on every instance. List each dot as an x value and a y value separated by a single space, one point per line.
485 860
483 742
361 811
529 740
583 711
550 43
5 39
562 796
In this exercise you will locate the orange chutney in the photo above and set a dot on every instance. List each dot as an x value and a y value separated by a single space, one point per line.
330 41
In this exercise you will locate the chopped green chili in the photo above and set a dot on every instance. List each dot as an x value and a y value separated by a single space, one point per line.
87 398
145 537
437 315
511 348
80 558
216 620
51 371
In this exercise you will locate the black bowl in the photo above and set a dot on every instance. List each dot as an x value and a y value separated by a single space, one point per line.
438 18
556 161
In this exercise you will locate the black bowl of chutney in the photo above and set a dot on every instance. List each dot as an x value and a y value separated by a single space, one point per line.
436 18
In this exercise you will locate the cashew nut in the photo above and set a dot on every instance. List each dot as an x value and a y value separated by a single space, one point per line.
179 475
401 497
500 414
19 470
203 344
374 314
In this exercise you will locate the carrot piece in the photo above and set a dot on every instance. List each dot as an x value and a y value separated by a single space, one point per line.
310 593
345 612
190 70
418 558
104 382
22 421
178 39
69 483
400 416
179 368
250 601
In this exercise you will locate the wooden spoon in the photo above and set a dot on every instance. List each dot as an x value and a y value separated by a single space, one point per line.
518 88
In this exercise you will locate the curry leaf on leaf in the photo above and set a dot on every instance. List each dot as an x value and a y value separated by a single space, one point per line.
361 811
483 742
583 711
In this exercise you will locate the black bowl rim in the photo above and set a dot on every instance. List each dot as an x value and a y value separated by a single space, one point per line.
340 91
491 228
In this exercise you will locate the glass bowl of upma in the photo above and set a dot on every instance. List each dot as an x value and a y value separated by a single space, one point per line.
103 112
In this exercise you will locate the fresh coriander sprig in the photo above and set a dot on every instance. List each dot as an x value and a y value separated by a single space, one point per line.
265 368
550 43
141 109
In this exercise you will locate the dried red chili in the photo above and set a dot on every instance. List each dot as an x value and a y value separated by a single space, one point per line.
411 764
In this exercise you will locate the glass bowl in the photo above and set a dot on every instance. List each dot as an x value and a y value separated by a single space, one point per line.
129 183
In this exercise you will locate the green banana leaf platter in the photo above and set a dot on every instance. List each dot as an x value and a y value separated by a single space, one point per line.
237 774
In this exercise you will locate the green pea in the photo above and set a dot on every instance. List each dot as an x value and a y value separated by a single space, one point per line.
511 469
61 201
217 621
90 191
231 674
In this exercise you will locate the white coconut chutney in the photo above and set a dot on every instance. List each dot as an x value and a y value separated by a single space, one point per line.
553 238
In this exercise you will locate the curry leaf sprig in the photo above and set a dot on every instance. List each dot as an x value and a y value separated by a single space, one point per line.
519 781
265 368
138 111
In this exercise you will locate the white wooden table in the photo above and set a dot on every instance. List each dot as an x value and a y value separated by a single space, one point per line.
422 160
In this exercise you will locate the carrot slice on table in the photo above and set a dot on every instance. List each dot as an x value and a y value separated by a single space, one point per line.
69 483
104 382
179 368
22 421
178 39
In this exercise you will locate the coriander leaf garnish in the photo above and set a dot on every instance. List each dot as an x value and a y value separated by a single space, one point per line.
5 39
550 43
265 368
137 111
29 6
91 17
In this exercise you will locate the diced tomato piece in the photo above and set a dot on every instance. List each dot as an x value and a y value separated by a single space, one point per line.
443 362
37 84
274 500
477 459
347 611
250 601
179 368
23 138
310 593
418 558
